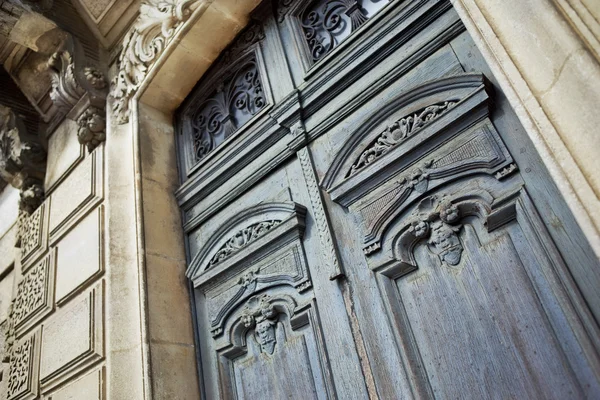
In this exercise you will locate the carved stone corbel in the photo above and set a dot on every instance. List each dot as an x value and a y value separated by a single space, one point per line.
22 160
78 93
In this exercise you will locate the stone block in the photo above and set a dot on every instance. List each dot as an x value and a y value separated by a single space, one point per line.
80 255
76 195
73 339
90 387
64 153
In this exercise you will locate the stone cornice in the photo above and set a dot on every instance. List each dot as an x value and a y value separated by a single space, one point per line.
154 29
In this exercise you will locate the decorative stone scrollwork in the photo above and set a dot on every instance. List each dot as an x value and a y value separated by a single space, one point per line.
326 23
241 239
398 132
22 160
151 33
79 94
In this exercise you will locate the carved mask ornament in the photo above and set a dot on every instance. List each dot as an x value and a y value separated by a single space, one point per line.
439 224
261 315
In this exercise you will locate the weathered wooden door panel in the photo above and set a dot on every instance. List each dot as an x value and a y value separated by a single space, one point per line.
360 223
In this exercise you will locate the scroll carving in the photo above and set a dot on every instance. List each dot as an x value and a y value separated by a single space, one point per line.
237 98
241 239
326 23
79 95
154 29
398 132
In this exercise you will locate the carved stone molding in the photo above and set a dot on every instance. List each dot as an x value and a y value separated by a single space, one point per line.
154 29
78 93
22 160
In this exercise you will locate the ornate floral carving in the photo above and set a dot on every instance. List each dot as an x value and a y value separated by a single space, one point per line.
242 239
326 23
92 127
31 233
398 132
19 378
32 195
151 33
31 293
261 315
95 78
237 98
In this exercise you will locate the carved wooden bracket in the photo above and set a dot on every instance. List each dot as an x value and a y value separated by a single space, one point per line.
22 160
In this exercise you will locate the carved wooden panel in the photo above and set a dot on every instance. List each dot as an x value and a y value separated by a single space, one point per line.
445 220
322 25
227 98
258 307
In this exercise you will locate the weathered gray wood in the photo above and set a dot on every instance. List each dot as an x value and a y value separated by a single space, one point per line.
370 232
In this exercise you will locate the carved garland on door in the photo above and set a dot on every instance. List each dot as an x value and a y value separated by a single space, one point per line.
398 132
242 239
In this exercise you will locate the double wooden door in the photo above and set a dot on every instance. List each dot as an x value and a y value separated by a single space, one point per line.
366 218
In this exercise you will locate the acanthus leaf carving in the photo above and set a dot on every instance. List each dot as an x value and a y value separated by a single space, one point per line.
398 132
242 239
154 29
66 91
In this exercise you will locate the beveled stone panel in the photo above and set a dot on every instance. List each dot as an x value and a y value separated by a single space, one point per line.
23 369
64 152
73 339
90 387
76 195
35 295
80 255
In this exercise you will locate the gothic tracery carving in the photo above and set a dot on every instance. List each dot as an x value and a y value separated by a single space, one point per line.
151 33
398 132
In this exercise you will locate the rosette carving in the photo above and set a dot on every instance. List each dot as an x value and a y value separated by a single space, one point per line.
151 33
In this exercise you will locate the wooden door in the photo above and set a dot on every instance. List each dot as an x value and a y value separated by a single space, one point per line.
366 218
